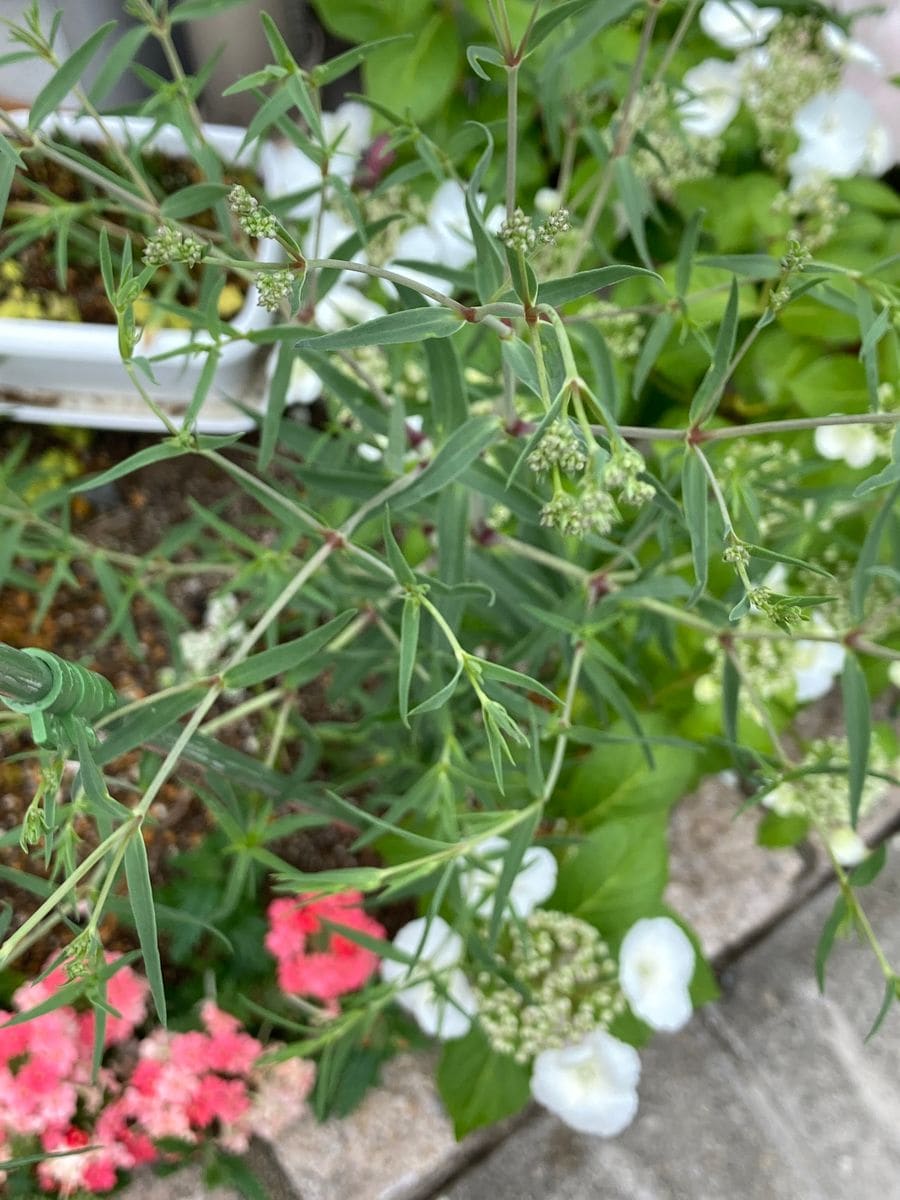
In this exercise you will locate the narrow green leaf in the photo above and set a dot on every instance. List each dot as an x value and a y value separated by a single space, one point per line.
134 462
194 199
492 670
651 348
520 360
686 251
890 995
776 556
7 173
196 10
343 64
446 385
706 399
754 266
826 941
573 287
403 572
409 640
543 425
256 79
145 723
69 74
399 328
633 195
868 554
520 839
458 452
489 263
888 475
858 723
440 697
287 656
116 63
298 90
550 20
696 515
479 54
140 893
202 387
278 386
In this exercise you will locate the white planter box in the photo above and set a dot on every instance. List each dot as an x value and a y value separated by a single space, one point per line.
69 373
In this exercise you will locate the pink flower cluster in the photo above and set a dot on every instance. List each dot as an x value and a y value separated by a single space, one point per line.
316 961
187 1086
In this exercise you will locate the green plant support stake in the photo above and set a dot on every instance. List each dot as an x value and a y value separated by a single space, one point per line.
75 697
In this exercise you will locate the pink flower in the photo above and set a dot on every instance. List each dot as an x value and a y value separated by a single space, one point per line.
312 960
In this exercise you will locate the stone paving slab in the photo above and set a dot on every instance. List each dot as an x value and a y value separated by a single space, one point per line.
770 1094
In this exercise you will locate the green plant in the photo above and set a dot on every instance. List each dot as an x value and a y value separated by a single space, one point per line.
524 547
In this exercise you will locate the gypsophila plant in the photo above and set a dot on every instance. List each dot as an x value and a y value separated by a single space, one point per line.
573 477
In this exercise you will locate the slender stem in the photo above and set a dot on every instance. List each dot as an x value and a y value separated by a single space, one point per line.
559 750
545 558
676 39
254 704
859 915
512 136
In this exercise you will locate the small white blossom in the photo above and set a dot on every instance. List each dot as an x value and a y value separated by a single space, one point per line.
856 445
815 665
847 846
533 884
848 50
894 673
737 24
656 965
714 96
547 200
591 1085
444 1010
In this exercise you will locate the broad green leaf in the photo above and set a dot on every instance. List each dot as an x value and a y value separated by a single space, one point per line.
194 199
704 403
858 723
573 287
399 328
287 656
140 893
696 515
478 1086
446 385
458 452
134 462
68 76
422 77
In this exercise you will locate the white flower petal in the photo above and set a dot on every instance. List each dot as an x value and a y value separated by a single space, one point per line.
839 136
547 200
737 24
591 1085
444 1017
430 940
849 50
815 666
847 846
656 965
714 88
856 445
534 883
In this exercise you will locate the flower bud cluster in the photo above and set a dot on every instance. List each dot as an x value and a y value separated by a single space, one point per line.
255 220
559 447
796 257
592 510
273 287
556 223
622 331
823 798
816 209
779 609
668 156
622 473
569 986
517 233
169 245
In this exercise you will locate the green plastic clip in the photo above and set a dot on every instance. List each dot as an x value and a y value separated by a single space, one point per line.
75 698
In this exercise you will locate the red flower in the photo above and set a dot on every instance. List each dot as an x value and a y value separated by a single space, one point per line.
315 961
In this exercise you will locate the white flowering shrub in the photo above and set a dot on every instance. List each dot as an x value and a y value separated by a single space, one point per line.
576 478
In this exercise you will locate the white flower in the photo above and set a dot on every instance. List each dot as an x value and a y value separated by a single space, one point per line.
656 965
201 648
839 136
737 24
591 1085
348 130
547 200
714 88
815 665
444 1011
534 881
894 673
848 50
847 846
856 445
